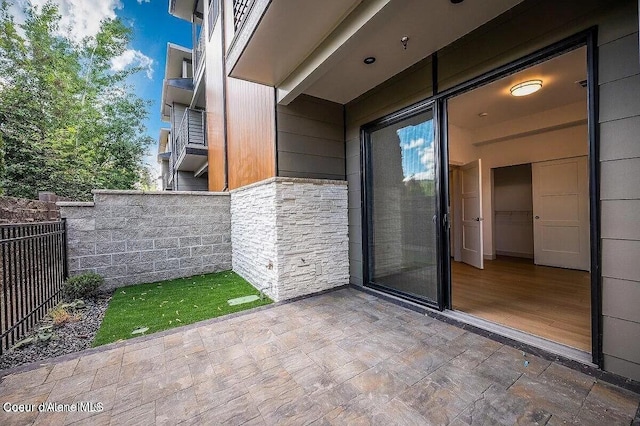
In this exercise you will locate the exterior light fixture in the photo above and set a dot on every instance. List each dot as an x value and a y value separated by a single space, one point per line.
369 60
526 87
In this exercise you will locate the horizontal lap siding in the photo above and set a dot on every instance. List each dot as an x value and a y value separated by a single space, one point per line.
619 83
311 139
186 181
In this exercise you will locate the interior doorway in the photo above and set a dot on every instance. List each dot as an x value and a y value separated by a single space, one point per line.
519 201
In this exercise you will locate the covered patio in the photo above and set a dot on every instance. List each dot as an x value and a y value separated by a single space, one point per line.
343 357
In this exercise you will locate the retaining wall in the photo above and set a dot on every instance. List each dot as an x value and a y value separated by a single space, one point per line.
132 237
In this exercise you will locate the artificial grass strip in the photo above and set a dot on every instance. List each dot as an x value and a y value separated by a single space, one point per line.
168 304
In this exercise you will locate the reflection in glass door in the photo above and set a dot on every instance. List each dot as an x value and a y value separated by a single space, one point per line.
402 207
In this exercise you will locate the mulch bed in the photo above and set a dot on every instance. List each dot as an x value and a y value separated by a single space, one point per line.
72 336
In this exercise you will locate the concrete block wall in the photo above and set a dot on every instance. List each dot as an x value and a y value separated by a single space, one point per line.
133 237
290 235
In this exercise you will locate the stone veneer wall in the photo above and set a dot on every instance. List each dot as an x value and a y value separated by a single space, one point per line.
21 210
290 235
133 237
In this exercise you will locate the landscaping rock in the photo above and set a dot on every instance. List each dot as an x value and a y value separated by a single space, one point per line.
70 337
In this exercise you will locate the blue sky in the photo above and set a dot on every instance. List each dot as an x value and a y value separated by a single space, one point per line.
416 143
152 28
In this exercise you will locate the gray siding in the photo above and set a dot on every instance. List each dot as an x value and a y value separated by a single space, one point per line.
311 139
619 80
185 181
504 40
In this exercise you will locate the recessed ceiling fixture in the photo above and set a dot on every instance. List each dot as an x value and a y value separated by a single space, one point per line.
369 60
483 114
526 87
456 1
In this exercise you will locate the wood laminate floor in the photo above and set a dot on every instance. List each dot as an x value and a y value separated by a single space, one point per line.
553 303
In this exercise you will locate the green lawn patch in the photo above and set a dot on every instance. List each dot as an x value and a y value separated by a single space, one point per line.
148 308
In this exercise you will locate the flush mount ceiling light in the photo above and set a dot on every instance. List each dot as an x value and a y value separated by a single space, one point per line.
369 60
526 88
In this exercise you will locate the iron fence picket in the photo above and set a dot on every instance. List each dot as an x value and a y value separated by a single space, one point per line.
33 258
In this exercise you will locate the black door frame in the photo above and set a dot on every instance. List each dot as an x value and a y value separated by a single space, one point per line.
367 207
586 38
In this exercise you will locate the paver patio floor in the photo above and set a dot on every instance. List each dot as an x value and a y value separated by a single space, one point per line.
344 357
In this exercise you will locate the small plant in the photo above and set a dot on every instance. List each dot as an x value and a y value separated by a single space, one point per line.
44 334
60 315
81 286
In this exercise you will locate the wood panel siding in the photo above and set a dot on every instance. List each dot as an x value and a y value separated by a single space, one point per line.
311 139
250 132
214 98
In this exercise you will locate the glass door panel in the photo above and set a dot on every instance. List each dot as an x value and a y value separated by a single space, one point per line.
402 207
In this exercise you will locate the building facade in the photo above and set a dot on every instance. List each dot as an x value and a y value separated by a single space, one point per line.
454 180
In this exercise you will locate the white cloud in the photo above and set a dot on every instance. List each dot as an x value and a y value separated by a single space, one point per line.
144 1
419 176
135 58
428 171
80 18
414 143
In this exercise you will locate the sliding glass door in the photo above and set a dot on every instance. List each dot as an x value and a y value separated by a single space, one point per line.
401 207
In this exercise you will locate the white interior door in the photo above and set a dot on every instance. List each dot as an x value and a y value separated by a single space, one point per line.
561 213
471 206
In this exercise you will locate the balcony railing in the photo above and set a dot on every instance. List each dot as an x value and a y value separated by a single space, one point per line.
240 11
190 131
199 53
172 167
214 9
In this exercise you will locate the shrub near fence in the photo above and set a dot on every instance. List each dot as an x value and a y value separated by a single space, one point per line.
33 268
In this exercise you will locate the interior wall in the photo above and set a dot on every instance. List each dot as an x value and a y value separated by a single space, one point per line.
565 143
513 210
461 148
537 137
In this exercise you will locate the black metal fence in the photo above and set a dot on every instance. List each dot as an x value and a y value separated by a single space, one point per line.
240 11
33 258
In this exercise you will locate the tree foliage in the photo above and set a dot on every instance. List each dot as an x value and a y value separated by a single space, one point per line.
68 122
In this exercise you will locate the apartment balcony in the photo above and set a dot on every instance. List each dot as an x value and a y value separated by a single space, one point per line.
190 152
318 47
186 9
178 85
